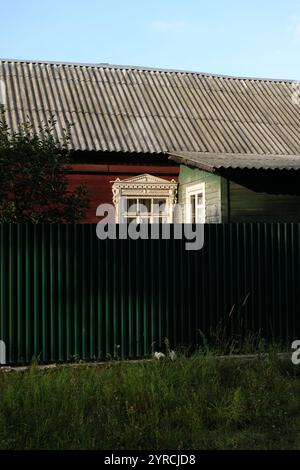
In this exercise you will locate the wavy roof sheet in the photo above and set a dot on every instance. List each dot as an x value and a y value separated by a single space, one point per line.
134 109
213 162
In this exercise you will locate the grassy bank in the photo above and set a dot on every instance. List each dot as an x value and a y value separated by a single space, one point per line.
190 403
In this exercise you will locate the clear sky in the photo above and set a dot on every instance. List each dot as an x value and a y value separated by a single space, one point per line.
233 37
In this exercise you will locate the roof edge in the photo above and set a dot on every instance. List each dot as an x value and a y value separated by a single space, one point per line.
188 160
145 68
192 163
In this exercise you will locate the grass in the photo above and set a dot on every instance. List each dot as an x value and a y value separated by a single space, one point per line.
199 402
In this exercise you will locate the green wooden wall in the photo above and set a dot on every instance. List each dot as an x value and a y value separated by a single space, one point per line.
212 182
228 201
247 205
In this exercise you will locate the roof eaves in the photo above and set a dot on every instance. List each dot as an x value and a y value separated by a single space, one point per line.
146 68
215 167
192 163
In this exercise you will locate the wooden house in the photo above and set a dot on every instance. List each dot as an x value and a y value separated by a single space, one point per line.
235 141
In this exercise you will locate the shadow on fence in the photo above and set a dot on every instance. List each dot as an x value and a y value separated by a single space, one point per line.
65 294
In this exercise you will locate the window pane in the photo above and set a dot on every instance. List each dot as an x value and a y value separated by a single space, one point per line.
159 201
144 219
200 215
144 206
132 206
145 210
159 206
193 209
199 199
128 220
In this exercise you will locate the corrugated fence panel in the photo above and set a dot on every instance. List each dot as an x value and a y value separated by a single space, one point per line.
65 294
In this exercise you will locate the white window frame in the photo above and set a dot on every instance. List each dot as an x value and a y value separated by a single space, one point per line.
152 216
195 190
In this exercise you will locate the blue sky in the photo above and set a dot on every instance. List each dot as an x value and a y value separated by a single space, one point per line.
245 38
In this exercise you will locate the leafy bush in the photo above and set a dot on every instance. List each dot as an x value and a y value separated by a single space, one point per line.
33 182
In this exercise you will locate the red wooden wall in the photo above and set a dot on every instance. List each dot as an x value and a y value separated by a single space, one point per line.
97 178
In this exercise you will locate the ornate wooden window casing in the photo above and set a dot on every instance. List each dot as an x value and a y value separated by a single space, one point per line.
144 198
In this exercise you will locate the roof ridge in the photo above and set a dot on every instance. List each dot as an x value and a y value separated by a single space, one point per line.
144 68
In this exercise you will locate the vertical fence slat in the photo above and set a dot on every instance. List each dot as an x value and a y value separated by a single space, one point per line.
65 293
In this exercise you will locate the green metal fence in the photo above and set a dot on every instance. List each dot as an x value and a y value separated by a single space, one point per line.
64 293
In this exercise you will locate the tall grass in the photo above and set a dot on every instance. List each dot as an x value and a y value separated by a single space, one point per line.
226 338
190 403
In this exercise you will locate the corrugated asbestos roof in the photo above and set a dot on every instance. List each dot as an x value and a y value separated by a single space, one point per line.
128 109
213 162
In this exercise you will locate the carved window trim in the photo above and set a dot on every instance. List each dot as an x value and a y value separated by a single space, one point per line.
144 186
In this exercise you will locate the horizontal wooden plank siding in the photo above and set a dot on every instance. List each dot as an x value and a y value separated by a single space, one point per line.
65 294
99 182
188 176
137 169
247 205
